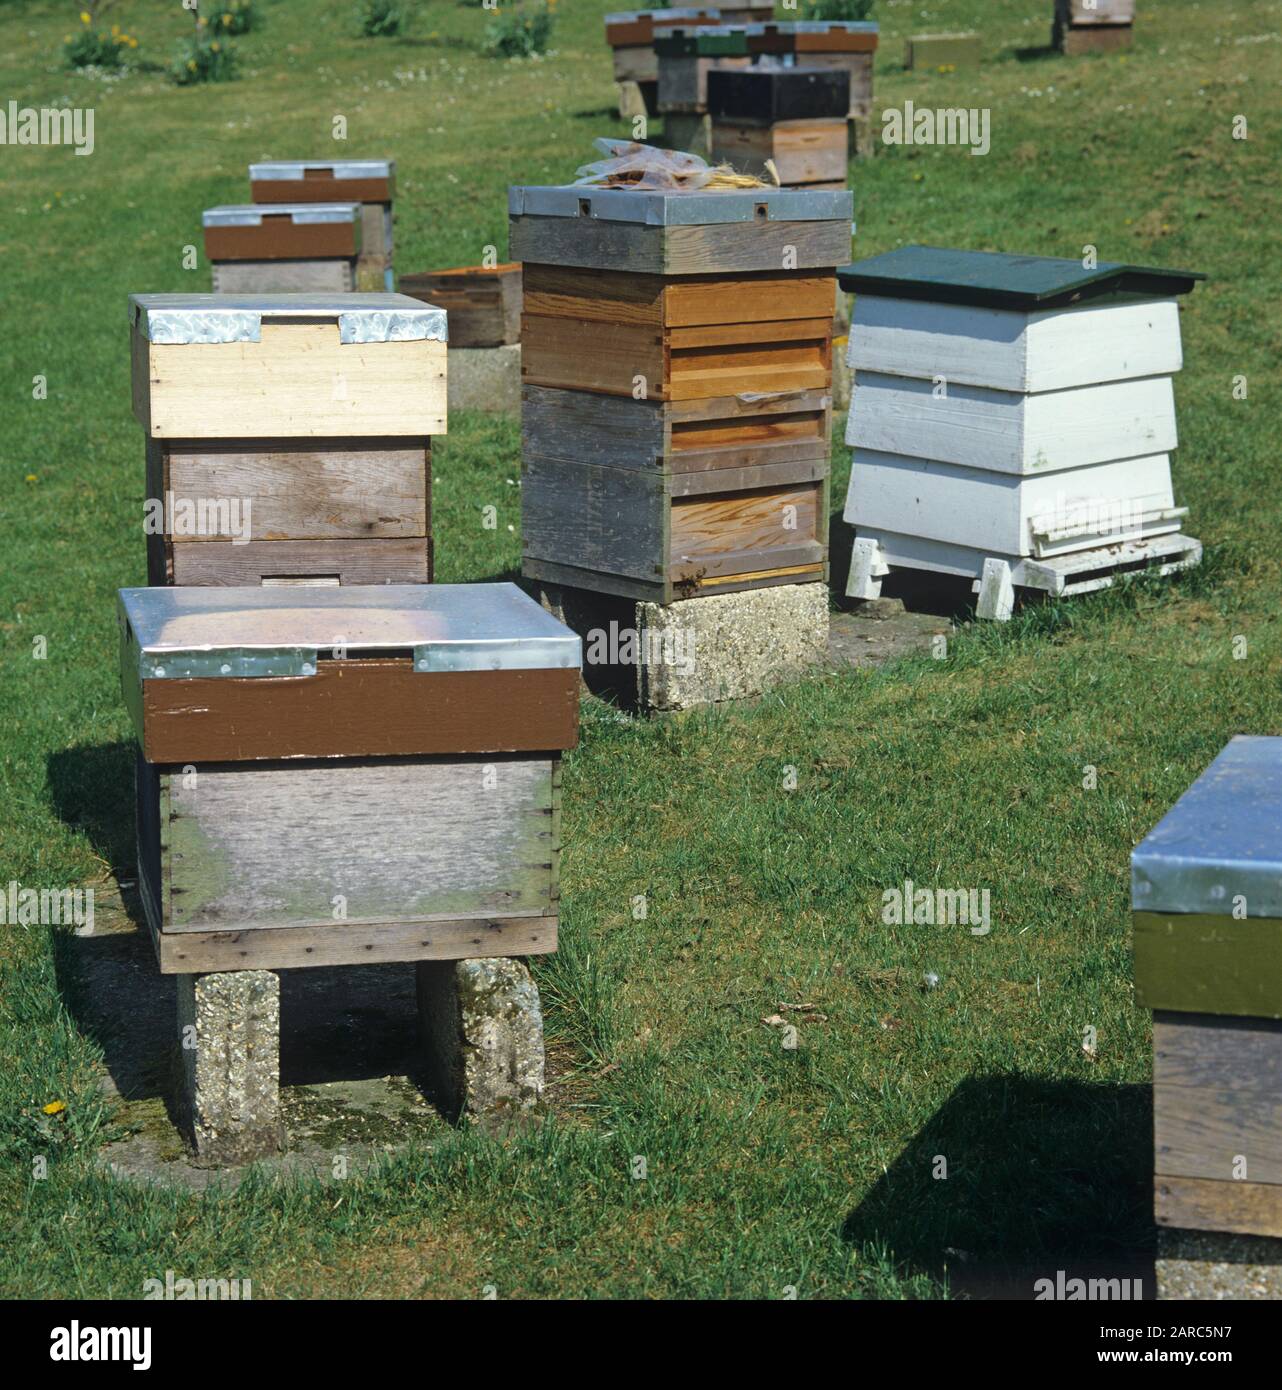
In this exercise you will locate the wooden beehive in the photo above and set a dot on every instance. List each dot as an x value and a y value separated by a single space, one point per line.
1207 922
845 44
331 780
1093 26
1013 408
630 34
663 501
369 182
288 436
675 413
282 248
686 57
794 118
483 303
925 51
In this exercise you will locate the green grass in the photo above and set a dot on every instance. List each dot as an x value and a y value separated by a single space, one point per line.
768 1168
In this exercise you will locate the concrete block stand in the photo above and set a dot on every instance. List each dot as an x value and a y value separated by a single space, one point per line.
481 1027
1211 1265
229 1042
667 657
486 378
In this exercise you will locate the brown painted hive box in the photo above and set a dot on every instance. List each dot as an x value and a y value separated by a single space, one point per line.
283 248
332 778
288 436
369 182
1206 895
483 302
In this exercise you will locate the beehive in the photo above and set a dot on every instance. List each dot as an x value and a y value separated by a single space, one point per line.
1207 920
1093 26
845 44
687 55
288 436
338 778
792 118
369 182
483 303
280 248
1012 419
677 387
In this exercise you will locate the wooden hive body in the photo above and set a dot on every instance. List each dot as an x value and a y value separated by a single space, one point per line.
483 303
822 44
1005 428
283 248
369 182
281 453
687 56
675 425
795 118
1207 919
303 804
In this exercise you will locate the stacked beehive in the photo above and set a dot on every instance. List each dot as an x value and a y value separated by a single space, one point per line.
369 182
675 425
269 248
1012 418
328 775
630 34
1093 26
289 436
1207 919
686 56
484 308
793 119
845 44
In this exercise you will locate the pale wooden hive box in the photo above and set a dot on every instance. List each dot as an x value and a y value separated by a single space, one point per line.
677 387
1206 908
288 436
333 777
1012 408
369 182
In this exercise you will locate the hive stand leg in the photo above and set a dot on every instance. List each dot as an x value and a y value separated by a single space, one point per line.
1212 1265
481 1028
229 1049
996 592
867 569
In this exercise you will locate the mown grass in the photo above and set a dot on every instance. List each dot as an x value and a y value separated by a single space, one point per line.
768 1168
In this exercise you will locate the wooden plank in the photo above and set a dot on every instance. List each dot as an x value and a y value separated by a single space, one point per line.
372 707
320 186
335 276
1197 963
759 298
483 302
403 560
803 151
587 356
725 247
743 523
298 380
1195 1204
696 582
1220 1134
603 519
187 953
277 237
709 570
558 291
306 490
736 334
393 841
742 478
1097 11
1207 1050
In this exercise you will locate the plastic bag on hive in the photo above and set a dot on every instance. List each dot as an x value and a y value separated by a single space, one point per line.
670 171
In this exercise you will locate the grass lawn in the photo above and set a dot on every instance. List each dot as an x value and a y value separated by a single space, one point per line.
769 1168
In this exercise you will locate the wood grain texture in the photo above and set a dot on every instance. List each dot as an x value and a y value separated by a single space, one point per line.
483 302
297 381
405 560
396 841
320 186
1207 1050
186 953
1196 1204
335 276
737 246
674 589
763 519
306 490
376 707
676 436
803 151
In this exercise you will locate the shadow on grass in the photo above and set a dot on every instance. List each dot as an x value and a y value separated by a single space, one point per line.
348 1023
1037 54
1041 1176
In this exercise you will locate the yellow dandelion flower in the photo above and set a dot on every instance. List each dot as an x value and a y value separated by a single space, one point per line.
55 1107
115 29
191 64
133 43
31 477
84 16
214 45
